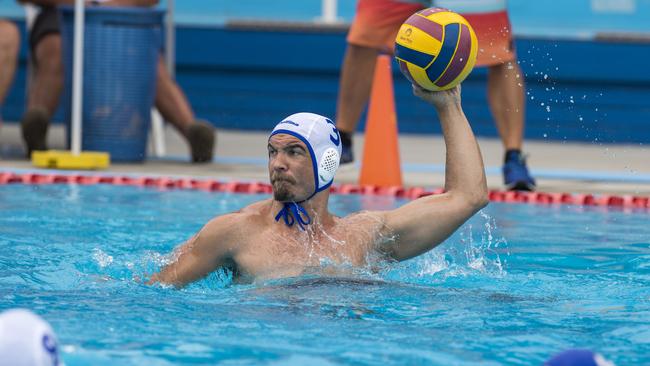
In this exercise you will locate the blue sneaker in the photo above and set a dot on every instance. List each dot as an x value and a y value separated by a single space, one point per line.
515 173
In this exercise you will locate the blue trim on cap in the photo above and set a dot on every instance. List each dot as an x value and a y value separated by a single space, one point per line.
325 186
311 152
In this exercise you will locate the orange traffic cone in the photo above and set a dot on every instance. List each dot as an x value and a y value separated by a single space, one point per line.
381 165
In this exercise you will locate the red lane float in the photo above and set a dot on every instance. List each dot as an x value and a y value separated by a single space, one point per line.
605 200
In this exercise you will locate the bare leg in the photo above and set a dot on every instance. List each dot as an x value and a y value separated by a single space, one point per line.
44 92
171 102
9 45
175 108
47 84
354 89
506 98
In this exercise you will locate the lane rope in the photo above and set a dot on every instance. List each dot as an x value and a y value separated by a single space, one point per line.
603 200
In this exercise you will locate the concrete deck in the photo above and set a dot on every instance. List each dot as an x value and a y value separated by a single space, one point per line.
241 155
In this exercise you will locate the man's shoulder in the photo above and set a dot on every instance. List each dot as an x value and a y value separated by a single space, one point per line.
254 209
248 214
369 217
237 224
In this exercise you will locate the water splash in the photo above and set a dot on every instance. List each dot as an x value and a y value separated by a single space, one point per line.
101 258
475 250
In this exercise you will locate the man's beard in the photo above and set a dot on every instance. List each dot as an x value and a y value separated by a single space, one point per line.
282 190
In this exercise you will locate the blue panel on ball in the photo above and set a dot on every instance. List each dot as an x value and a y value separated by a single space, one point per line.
417 58
449 43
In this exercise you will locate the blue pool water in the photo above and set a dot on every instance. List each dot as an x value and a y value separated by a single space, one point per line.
513 286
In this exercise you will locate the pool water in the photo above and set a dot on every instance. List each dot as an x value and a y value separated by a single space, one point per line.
513 286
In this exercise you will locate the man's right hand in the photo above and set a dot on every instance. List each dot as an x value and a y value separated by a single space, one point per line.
439 99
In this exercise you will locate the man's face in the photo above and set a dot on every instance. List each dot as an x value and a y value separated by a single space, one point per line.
290 169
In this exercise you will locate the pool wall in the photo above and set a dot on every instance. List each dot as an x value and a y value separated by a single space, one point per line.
244 74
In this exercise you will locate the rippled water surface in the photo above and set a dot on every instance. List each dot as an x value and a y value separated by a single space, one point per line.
513 286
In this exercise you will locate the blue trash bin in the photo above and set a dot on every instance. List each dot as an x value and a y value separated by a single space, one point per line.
121 50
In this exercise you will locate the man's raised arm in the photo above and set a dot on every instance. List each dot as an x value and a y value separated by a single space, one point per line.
209 249
424 223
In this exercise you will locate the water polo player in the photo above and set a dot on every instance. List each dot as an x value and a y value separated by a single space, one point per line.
294 232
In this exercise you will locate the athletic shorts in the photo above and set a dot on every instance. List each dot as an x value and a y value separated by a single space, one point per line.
47 22
377 22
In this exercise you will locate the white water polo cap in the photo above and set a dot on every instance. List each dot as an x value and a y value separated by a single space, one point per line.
27 340
323 142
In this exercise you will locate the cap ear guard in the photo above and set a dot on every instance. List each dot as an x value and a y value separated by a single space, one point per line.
329 163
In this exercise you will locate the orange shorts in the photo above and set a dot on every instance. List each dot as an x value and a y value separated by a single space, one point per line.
376 24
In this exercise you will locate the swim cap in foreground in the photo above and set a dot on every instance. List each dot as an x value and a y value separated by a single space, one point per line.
27 340
578 357
323 142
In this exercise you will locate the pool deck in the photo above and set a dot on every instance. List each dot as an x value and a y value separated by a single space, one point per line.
241 155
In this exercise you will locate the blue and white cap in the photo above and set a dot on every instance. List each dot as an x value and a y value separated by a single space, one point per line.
323 141
27 340
578 357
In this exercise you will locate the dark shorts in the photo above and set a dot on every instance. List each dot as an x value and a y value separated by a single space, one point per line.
47 22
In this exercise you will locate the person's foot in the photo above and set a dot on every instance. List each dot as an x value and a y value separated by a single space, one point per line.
347 155
34 129
201 137
515 172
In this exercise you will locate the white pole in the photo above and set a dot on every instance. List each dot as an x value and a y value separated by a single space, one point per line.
157 123
158 133
77 75
329 11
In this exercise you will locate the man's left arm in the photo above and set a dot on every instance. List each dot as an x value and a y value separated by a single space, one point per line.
422 224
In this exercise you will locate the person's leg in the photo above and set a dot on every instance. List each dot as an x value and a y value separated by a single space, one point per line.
175 108
507 103
354 90
9 46
171 101
44 92
47 84
373 30
505 88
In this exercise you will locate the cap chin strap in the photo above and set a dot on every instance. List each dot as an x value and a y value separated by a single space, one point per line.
293 212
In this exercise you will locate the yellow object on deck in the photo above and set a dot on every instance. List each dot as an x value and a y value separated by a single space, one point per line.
58 159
